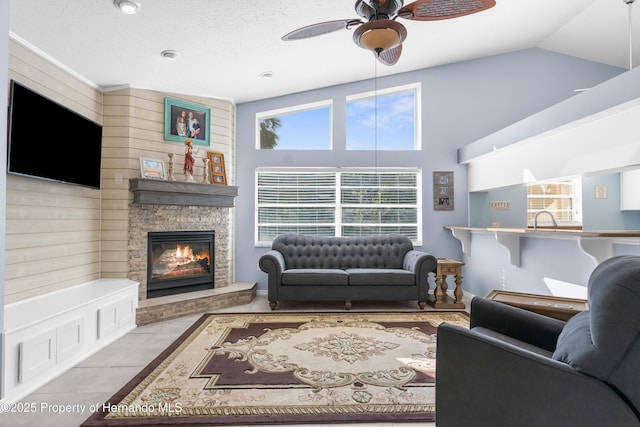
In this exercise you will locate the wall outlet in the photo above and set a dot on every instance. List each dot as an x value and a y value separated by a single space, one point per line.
499 205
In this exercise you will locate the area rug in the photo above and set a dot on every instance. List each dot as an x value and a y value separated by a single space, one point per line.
288 368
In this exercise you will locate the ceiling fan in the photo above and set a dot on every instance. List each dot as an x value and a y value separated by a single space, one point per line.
378 29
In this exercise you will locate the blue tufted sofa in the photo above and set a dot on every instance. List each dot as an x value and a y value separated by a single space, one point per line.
367 268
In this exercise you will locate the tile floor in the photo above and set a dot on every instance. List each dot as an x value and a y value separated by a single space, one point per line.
96 379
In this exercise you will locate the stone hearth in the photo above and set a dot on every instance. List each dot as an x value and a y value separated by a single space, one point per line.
169 307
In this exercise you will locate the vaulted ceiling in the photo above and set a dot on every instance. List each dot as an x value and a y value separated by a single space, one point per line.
225 45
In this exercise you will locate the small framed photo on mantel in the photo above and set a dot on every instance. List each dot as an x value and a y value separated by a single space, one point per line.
443 197
216 168
152 169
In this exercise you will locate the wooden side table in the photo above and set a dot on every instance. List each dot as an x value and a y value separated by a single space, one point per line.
440 299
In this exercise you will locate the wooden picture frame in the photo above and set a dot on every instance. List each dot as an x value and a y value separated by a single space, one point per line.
195 125
152 169
217 171
443 197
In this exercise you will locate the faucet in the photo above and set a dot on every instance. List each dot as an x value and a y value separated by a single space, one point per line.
535 219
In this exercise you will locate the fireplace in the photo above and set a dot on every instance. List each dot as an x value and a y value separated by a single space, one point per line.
179 261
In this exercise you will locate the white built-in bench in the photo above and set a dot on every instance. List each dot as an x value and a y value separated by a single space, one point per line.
48 334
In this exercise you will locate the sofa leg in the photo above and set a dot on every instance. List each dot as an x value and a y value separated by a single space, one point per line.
347 305
422 304
273 304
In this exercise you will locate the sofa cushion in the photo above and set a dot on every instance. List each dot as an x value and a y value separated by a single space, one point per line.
380 276
319 276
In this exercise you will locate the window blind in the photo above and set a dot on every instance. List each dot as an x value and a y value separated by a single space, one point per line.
337 203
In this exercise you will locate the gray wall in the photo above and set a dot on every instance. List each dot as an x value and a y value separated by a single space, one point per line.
605 214
460 103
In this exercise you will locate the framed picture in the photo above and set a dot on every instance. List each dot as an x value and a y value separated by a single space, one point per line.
183 120
443 191
216 168
152 168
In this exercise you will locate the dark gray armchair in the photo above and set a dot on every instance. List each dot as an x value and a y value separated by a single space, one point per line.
517 368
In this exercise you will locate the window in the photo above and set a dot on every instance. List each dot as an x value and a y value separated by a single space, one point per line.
338 202
562 198
388 121
307 127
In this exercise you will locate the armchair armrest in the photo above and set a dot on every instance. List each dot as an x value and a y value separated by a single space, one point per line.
535 329
483 381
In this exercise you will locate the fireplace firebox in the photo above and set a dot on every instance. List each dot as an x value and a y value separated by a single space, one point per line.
179 261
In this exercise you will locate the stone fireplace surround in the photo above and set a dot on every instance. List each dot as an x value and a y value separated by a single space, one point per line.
149 216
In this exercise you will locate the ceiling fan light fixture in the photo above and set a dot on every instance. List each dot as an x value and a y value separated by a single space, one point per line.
379 36
128 7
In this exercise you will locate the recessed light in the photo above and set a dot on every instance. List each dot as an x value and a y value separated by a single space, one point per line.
171 55
128 7
267 75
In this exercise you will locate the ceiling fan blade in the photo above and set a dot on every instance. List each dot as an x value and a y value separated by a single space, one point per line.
390 56
435 10
321 28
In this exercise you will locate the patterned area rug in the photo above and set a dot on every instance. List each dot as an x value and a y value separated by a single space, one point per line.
282 368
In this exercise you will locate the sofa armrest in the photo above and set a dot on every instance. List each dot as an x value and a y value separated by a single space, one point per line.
483 381
535 329
419 262
272 262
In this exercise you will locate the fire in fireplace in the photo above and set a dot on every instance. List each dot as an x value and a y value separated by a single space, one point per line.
179 261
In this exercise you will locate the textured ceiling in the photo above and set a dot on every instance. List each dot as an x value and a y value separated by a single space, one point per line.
225 45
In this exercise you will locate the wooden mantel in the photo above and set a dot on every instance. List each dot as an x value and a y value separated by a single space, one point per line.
158 192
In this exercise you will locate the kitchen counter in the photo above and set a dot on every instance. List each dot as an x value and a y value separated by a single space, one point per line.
595 243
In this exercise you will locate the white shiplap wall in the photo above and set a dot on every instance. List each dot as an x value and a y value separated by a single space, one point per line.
61 235
53 230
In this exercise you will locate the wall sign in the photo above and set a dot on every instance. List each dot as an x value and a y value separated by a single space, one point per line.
443 197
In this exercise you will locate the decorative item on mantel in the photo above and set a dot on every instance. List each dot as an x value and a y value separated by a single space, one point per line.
189 161
205 171
151 168
171 177
216 168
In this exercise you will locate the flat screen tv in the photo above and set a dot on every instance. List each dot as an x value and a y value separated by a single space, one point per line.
49 141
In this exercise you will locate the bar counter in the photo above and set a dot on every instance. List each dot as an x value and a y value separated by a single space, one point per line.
595 243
